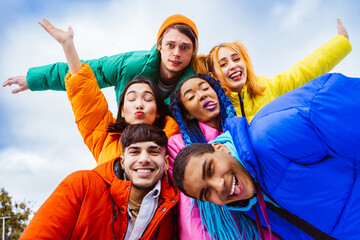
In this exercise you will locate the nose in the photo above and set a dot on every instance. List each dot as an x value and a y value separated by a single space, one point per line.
218 185
176 51
202 95
232 65
139 104
144 158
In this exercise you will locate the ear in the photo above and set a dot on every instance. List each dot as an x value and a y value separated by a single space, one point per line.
220 147
188 116
166 160
122 112
157 115
122 160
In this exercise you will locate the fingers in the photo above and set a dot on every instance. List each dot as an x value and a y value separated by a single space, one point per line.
18 80
19 89
341 29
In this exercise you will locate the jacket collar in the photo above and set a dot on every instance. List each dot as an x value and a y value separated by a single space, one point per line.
120 189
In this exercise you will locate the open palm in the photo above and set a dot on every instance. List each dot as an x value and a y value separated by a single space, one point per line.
58 34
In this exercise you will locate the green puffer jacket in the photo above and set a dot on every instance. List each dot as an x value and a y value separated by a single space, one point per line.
115 71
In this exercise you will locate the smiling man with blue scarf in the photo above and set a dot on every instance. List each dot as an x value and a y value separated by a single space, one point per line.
295 169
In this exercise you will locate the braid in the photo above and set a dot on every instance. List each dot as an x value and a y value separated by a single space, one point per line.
190 129
219 221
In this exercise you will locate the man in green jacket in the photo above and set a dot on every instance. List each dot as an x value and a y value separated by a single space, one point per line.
167 63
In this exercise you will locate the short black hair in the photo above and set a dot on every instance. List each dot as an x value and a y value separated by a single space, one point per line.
182 159
135 133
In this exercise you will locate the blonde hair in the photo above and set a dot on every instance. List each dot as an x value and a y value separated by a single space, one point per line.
207 64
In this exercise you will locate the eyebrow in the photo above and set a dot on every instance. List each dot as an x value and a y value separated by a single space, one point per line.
154 147
224 58
203 177
133 147
146 91
189 90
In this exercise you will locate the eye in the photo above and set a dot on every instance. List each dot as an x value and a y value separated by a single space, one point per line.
148 97
170 45
209 170
134 152
237 59
184 47
191 98
131 97
222 65
205 89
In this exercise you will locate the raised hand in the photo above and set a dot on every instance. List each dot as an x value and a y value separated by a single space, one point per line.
59 35
18 80
341 29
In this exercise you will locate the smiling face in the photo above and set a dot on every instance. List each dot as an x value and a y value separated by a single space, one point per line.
144 164
201 102
233 68
139 105
176 52
217 177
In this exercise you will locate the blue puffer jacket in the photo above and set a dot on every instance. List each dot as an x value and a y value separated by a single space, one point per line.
307 145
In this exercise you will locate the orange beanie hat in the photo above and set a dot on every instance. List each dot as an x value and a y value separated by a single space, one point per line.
177 18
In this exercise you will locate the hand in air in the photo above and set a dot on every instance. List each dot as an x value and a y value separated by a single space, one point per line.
341 29
59 35
18 80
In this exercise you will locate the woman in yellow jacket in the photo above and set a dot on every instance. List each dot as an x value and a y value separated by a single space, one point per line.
140 102
231 65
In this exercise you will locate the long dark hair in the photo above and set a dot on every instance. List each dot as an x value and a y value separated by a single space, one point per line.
161 108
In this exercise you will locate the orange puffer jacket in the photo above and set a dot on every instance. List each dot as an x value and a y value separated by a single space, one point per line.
81 208
92 115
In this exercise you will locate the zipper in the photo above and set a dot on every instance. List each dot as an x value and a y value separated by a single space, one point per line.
241 99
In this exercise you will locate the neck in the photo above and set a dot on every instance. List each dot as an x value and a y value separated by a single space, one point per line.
137 195
215 123
167 77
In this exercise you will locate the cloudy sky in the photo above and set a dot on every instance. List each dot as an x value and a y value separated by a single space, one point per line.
39 141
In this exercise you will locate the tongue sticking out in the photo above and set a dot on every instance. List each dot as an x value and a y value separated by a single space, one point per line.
237 190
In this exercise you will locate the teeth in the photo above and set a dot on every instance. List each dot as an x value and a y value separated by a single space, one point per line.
233 186
143 170
236 74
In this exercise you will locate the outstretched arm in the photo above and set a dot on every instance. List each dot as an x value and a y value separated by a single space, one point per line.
66 41
319 62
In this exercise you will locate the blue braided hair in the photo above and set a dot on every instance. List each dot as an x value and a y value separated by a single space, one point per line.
220 222
190 128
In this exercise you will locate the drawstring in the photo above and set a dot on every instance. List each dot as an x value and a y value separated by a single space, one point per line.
114 216
262 205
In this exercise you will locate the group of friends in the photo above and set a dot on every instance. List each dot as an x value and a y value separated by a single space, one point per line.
202 147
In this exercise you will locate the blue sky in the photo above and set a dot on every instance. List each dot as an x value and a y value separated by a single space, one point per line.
39 142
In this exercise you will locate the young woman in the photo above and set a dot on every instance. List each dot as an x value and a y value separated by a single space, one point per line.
200 107
166 64
231 65
141 102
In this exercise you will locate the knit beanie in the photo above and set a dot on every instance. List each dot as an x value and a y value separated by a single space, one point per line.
177 18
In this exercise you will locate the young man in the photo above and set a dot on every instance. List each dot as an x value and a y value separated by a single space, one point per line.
167 63
297 163
127 198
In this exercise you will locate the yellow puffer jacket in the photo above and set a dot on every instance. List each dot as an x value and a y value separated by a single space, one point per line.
92 115
319 62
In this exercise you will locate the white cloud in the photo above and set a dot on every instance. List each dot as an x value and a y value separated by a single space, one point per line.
293 13
44 144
